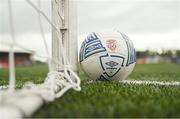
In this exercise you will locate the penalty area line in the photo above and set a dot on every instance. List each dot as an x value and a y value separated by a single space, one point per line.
148 82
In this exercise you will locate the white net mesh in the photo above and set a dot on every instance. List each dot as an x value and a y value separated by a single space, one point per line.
57 81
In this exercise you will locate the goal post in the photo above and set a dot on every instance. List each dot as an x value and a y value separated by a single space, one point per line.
64 17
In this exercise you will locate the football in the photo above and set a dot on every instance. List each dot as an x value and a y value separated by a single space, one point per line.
107 56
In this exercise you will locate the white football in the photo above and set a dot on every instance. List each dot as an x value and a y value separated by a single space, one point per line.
107 56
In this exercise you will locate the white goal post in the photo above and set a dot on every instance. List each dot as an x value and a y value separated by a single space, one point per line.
64 17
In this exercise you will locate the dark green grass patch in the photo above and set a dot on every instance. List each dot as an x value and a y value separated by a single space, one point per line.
115 100
166 72
35 73
110 99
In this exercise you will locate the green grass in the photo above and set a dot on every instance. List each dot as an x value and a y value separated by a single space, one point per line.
110 99
35 73
166 72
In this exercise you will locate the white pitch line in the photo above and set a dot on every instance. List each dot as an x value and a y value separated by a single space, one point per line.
4 87
7 86
149 82
134 82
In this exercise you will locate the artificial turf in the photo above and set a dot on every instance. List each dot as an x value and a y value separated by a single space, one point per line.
111 99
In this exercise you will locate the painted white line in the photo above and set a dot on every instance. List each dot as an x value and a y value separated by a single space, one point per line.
134 82
149 82
4 87
142 82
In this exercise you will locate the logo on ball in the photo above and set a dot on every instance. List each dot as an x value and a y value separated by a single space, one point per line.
111 44
111 64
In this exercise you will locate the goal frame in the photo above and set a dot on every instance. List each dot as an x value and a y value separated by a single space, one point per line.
64 17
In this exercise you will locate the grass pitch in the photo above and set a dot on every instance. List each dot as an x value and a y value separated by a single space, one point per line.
110 99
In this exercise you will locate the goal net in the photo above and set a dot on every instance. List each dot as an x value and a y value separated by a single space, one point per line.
59 51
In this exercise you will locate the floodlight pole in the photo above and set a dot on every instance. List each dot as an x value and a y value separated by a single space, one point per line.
64 17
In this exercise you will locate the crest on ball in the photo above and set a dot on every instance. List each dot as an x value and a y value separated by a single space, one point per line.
111 44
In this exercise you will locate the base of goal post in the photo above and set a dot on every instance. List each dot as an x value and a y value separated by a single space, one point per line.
24 102
18 107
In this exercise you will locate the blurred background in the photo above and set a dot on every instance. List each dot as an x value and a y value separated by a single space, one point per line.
152 25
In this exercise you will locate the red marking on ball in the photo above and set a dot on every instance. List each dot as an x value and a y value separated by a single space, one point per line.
111 44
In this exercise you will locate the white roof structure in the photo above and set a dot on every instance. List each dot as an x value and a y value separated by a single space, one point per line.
17 49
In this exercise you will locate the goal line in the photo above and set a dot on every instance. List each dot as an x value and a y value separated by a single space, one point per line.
144 82
151 82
